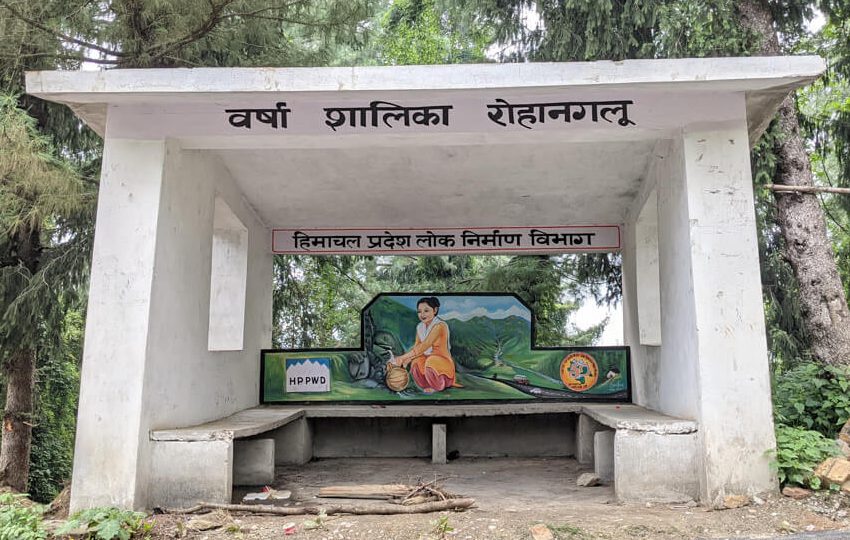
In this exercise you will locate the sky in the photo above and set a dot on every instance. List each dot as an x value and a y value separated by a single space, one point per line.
467 307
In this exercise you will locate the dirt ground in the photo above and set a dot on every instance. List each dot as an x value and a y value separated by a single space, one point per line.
511 496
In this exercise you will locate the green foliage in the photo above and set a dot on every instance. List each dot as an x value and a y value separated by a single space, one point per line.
787 337
569 532
108 524
419 32
317 300
20 519
798 452
57 391
441 528
45 208
813 397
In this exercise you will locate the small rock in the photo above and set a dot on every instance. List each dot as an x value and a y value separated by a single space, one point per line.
541 532
735 501
845 487
758 501
200 524
796 493
844 446
786 527
587 480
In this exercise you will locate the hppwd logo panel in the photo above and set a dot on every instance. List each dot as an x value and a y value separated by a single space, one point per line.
308 375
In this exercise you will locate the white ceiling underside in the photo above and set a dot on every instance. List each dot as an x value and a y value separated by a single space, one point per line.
442 186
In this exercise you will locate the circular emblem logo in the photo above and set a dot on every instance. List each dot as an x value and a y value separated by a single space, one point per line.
579 371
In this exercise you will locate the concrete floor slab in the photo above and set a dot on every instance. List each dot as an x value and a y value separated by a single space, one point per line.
540 482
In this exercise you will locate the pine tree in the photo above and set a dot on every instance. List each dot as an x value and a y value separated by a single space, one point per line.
44 243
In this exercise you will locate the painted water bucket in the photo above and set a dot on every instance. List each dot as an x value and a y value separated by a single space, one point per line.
397 377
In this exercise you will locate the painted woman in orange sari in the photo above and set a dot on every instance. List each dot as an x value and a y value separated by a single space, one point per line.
430 359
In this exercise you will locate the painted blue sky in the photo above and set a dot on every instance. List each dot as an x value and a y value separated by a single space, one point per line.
467 307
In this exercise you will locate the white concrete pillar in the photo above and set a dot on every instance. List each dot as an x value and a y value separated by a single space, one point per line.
149 362
106 455
713 333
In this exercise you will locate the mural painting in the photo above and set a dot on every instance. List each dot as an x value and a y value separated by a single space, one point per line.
446 347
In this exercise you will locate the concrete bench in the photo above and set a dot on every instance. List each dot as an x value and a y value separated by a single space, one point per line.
649 456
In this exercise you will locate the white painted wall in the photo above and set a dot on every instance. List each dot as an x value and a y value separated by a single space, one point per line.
229 280
147 364
712 364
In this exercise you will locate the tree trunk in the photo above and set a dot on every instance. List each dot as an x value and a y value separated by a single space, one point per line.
801 219
17 419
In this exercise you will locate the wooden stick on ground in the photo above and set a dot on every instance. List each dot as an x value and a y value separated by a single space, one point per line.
366 491
373 509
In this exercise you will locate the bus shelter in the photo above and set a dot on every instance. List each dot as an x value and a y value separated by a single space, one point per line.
209 172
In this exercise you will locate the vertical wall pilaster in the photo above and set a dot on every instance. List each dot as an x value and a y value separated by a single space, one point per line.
735 419
109 427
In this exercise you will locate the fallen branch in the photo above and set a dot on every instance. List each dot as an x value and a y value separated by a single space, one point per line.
374 509
807 189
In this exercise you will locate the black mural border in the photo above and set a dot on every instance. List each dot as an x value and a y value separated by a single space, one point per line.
455 402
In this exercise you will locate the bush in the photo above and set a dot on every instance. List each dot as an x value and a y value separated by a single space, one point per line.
798 452
812 397
108 524
20 519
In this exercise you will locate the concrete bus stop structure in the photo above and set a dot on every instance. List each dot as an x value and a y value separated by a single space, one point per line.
180 299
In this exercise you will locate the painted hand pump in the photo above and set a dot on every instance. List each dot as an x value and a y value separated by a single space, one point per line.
446 347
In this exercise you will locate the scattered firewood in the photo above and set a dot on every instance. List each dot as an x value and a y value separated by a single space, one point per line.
365 491
375 509
403 494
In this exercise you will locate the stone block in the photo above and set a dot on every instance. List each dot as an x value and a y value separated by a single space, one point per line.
185 473
834 470
844 434
603 456
438 443
796 493
653 467
253 462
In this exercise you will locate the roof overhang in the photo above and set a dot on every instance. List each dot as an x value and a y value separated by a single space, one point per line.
567 170
764 80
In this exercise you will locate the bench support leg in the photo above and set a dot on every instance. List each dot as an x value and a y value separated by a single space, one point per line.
585 428
294 443
438 443
185 473
603 456
253 462
656 467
